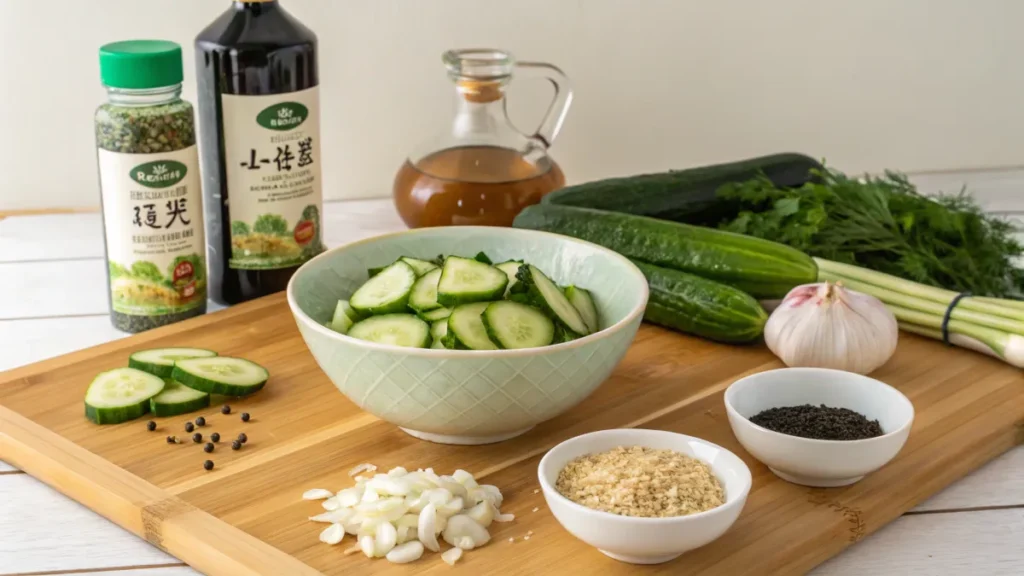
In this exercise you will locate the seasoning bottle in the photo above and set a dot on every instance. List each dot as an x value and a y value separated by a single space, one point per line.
259 109
150 187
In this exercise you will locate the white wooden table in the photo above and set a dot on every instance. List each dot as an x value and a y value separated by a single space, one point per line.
52 301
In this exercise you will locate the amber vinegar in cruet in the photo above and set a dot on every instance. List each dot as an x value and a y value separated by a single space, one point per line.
484 171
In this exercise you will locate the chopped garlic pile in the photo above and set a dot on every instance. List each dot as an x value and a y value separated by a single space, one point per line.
400 514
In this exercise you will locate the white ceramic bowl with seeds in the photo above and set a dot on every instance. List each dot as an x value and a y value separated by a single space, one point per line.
645 540
810 462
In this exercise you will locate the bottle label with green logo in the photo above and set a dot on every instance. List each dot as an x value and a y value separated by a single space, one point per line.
153 213
272 156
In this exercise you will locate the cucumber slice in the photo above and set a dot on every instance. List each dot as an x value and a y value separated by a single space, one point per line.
563 334
439 329
342 319
393 329
120 395
177 399
510 268
464 280
160 361
420 267
515 325
545 294
583 302
221 375
423 297
386 292
466 328
437 314
439 345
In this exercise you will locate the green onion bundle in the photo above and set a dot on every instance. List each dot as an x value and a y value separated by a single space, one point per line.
993 326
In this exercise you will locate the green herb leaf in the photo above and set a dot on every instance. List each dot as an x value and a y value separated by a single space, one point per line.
883 223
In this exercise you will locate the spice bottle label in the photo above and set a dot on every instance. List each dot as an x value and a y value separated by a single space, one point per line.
272 157
153 213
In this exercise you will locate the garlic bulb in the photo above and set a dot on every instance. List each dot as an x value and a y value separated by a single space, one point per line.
827 326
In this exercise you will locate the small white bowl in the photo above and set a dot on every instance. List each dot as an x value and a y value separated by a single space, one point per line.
821 463
645 540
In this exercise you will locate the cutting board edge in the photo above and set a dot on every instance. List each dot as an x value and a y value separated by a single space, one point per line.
139 339
197 538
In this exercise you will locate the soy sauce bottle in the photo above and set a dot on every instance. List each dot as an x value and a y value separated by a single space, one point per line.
259 112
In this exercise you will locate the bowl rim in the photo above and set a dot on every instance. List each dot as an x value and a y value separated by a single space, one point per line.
438 353
600 515
851 376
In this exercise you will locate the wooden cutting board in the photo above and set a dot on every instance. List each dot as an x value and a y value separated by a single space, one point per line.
246 517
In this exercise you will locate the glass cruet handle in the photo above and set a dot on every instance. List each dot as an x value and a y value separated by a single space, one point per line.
555 115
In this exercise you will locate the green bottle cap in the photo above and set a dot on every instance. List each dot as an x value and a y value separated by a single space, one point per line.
140 64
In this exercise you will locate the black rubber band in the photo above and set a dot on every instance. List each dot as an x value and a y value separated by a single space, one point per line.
949 312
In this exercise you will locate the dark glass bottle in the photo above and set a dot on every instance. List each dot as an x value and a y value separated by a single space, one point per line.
260 140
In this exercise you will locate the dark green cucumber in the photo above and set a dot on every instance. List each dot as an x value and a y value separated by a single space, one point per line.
708 309
759 267
680 194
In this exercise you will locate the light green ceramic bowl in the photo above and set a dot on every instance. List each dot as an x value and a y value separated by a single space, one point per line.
461 396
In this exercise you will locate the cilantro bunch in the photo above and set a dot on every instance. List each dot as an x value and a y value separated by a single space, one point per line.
882 223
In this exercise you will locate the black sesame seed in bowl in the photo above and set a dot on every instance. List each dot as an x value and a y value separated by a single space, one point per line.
816 426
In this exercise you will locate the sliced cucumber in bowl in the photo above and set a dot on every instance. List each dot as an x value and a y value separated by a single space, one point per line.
466 328
512 325
436 314
385 293
120 395
546 295
393 329
464 280
584 303
221 375
421 267
160 361
423 297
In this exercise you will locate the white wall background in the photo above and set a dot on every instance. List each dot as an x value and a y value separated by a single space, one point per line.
916 85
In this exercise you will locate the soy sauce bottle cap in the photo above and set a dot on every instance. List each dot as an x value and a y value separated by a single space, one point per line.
141 64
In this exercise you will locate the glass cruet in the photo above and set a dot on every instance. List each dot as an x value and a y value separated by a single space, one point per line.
483 171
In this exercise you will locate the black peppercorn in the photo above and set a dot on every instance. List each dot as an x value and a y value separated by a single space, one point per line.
150 425
200 421
208 465
209 447
245 416
236 445
172 440
225 409
243 438
197 437
189 427
215 436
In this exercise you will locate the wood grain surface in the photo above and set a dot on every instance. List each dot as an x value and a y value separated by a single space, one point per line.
246 516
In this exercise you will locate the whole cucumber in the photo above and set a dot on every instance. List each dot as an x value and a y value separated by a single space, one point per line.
691 304
761 268
685 195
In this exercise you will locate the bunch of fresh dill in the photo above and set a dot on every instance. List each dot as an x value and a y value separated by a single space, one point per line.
884 224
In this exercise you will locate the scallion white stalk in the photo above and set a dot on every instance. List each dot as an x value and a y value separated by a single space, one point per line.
906 301
828 270
1008 347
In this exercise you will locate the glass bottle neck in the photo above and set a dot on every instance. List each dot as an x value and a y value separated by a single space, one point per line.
479 120
147 97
